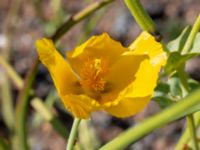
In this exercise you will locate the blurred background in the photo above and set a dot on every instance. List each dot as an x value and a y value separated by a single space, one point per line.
23 22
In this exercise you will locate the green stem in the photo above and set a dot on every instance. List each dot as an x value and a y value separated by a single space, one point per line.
78 17
141 16
7 103
186 135
168 115
190 118
73 134
192 129
183 78
191 37
12 73
22 109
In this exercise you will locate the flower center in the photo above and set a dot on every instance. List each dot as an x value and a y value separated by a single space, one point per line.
93 74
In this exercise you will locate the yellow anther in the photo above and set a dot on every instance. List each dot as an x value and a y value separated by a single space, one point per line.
93 73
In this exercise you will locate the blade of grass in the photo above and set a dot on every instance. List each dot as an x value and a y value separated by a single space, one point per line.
12 73
185 138
7 103
141 16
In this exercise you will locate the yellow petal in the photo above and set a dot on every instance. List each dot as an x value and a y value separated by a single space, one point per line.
60 71
101 46
138 93
146 44
147 75
81 106
128 106
121 75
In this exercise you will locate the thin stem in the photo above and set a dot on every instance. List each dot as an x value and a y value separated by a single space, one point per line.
166 116
183 79
72 20
7 103
185 138
141 16
22 108
192 128
191 37
12 73
73 134
190 118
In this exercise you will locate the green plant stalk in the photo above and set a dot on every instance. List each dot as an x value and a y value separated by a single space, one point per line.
190 118
185 138
39 106
185 87
12 73
22 109
73 134
23 102
192 129
87 137
188 45
89 24
166 116
7 103
141 16
78 17
8 26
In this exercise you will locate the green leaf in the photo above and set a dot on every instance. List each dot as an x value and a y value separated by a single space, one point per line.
193 84
175 59
175 87
161 95
178 43
162 89
163 102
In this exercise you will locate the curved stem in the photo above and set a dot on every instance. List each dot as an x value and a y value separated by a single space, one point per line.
192 129
72 20
190 118
185 138
185 86
192 36
141 16
73 134
12 73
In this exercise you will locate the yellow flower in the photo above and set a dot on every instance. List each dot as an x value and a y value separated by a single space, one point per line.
101 74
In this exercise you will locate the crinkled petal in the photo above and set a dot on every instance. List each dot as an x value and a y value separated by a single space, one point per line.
60 71
128 106
101 46
80 106
139 92
147 74
146 44
137 95
121 75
